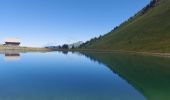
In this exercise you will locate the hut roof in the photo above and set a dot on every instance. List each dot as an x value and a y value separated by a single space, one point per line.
12 40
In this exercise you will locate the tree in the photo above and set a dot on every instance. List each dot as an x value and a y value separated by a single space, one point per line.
59 47
150 5
73 47
65 46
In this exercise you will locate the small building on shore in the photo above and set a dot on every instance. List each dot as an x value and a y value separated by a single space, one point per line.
12 42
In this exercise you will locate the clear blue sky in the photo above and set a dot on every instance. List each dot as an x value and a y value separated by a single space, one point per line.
42 22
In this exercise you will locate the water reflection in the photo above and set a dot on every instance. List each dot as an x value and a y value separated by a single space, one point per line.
149 75
66 75
11 56
58 76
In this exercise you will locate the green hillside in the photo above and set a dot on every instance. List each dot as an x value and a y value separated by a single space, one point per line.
148 30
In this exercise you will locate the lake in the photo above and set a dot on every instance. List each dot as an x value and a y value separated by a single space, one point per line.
83 76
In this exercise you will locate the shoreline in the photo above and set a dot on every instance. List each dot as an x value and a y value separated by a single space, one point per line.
160 54
36 49
22 49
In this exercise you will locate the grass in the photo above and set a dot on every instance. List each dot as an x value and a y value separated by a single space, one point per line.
23 49
149 32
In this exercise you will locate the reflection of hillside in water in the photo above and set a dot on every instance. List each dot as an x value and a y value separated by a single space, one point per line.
149 75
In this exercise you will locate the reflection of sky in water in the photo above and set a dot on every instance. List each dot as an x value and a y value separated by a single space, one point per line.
61 76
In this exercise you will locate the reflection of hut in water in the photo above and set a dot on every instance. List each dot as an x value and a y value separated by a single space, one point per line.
12 56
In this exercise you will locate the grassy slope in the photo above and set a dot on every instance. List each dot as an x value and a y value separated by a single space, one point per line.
145 32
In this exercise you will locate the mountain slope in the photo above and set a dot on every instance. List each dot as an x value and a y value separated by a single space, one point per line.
148 30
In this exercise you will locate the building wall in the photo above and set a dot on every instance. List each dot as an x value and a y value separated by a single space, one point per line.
11 44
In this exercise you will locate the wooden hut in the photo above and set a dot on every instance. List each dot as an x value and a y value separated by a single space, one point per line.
12 42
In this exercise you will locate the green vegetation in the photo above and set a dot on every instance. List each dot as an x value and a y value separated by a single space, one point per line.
148 74
148 31
24 49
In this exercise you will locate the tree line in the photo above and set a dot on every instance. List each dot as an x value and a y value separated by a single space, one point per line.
64 46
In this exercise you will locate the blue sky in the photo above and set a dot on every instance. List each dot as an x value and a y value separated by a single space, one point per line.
43 22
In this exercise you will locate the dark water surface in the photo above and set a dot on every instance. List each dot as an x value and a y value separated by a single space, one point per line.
83 76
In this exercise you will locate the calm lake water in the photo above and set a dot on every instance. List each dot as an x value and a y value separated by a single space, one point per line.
83 76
